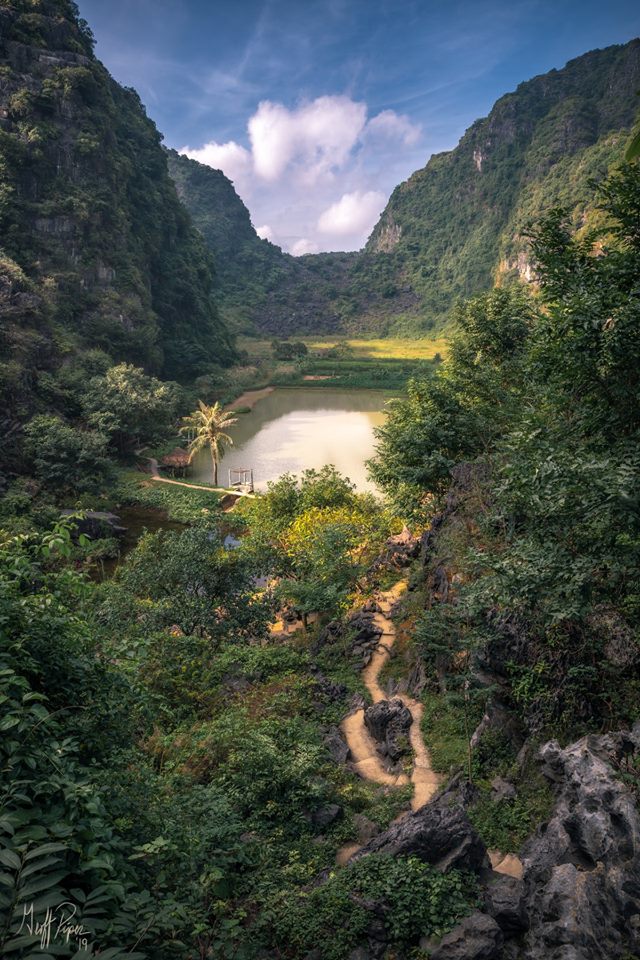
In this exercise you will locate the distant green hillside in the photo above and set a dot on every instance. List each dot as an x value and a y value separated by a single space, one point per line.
96 251
449 231
261 288
458 224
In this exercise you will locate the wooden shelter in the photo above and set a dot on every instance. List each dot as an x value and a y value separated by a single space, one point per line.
178 461
241 478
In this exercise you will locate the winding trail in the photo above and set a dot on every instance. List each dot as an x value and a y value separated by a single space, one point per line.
365 757
367 761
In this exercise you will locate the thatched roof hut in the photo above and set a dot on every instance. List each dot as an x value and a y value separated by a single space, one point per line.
178 459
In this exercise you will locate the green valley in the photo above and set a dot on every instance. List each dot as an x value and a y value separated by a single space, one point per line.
451 230
319 575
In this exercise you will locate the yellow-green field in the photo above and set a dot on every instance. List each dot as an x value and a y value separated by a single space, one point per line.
362 349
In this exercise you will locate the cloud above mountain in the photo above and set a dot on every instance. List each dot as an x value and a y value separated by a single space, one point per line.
353 213
317 173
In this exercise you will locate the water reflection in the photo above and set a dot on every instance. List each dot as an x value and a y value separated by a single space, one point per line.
294 429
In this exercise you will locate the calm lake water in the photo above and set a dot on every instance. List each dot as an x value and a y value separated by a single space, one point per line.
294 429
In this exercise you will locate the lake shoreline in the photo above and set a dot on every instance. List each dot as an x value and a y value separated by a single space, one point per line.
293 428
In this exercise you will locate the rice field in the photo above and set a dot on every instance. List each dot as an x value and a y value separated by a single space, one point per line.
383 349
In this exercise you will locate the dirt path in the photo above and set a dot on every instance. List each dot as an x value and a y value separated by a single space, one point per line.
366 759
249 398
155 475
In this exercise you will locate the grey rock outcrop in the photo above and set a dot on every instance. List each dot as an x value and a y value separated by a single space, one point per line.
582 872
478 937
329 634
336 745
504 901
324 816
439 833
366 634
388 722
502 790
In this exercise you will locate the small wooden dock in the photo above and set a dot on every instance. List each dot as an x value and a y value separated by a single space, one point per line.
241 479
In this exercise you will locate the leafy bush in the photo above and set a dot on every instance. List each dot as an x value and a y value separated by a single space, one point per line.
66 459
415 899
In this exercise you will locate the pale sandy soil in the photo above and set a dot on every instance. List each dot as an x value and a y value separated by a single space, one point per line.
249 398
365 758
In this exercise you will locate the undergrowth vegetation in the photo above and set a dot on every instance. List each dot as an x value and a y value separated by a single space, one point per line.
524 616
170 760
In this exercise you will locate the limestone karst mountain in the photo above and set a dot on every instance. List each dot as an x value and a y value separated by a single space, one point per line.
452 229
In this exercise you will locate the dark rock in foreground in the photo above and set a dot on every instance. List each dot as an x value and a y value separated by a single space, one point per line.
504 901
478 937
579 898
582 872
336 745
325 816
389 722
439 834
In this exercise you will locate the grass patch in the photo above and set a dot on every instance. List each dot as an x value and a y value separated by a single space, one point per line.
382 349
505 825
445 732
182 504
358 364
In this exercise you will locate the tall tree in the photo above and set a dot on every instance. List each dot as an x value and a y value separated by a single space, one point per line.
206 427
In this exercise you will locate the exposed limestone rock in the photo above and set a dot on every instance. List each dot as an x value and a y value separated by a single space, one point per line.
336 745
504 901
582 872
388 722
439 833
366 632
478 937
325 816
502 790
387 236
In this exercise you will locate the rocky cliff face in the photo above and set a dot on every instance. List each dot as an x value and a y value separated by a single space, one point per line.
95 247
460 223
261 288
451 230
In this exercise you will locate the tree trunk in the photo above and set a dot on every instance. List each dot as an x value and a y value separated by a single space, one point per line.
215 468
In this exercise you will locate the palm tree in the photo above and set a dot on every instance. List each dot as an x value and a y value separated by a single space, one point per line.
206 426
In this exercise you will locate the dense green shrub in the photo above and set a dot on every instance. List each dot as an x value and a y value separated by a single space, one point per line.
415 900
66 459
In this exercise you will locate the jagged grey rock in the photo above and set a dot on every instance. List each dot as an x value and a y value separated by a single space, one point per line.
478 937
325 816
501 789
504 901
336 745
582 872
329 634
388 722
439 833
366 828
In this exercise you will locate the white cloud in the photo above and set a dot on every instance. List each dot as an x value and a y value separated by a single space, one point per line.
390 125
314 137
233 159
265 232
353 214
316 175
302 246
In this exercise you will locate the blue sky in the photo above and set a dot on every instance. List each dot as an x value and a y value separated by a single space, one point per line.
317 109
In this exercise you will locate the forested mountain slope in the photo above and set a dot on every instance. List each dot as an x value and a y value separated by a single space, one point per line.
449 231
261 287
95 248
459 223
